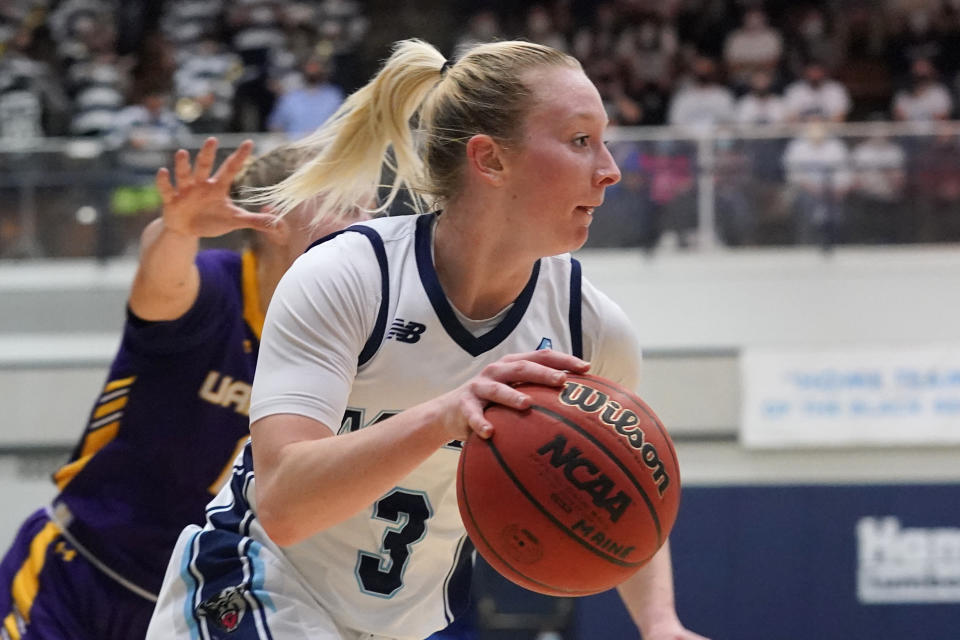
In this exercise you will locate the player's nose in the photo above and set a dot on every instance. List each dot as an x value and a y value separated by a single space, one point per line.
607 172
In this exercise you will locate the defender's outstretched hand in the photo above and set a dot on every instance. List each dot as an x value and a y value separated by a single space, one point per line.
200 205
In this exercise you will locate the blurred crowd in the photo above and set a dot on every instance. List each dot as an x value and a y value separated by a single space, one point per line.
152 70
708 62
68 67
139 76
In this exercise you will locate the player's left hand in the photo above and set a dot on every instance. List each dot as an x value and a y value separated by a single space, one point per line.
200 205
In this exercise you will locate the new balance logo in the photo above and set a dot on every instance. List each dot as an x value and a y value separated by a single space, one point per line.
405 331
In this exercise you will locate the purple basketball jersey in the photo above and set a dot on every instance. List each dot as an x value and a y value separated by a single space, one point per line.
168 423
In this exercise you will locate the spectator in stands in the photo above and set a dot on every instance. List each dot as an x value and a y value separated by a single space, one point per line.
818 175
256 33
812 37
652 98
256 28
864 31
155 63
761 105
303 38
32 102
188 23
541 29
340 23
20 15
949 61
205 83
816 96
755 47
283 68
300 111
648 50
877 198
482 26
703 102
760 157
610 80
71 21
629 100
147 131
703 25
97 79
144 136
937 187
735 210
917 37
670 167
11 19
926 98
596 41
861 33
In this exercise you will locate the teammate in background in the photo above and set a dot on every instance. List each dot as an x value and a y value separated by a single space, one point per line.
172 415
383 344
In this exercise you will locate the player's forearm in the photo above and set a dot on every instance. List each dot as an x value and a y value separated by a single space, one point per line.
167 281
304 488
648 594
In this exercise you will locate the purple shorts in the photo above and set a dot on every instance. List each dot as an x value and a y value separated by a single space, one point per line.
48 591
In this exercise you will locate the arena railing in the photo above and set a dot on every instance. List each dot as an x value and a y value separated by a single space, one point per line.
688 187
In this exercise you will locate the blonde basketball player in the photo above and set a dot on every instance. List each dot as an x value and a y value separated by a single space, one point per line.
383 344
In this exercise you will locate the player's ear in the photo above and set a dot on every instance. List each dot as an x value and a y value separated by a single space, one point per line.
278 232
485 159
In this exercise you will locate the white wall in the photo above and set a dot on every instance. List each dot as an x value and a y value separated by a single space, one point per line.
797 297
22 491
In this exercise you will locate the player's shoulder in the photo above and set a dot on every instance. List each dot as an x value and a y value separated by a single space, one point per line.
358 255
376 233
392 228
560 267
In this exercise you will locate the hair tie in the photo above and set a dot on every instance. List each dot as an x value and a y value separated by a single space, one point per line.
446 65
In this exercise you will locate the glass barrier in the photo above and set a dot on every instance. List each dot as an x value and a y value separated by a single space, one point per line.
810 184
69 198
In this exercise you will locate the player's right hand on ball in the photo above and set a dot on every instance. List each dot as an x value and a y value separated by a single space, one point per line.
462 408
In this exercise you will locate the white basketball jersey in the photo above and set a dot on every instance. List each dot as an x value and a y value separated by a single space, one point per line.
401 567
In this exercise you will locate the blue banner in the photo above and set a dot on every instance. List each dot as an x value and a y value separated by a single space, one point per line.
808 562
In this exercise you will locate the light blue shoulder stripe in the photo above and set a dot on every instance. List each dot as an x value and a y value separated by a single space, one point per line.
189 579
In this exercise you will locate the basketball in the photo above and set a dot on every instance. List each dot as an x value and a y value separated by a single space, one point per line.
573 495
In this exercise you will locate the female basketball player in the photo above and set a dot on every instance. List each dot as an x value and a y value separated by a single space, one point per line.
382 346
165 429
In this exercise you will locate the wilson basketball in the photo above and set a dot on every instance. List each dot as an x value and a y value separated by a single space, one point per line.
574 495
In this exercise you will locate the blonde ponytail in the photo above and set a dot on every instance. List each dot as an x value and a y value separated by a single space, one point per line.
353 144
484 92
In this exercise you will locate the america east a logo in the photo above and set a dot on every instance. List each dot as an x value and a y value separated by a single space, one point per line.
404 331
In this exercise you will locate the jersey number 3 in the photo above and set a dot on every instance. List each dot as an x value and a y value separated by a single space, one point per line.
381 574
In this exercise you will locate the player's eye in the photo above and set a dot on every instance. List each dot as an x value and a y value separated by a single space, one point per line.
581 141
